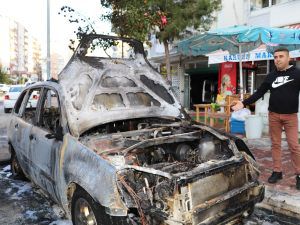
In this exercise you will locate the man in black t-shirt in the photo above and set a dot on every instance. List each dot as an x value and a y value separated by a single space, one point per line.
284 86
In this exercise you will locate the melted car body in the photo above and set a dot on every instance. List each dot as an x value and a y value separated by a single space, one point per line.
113 129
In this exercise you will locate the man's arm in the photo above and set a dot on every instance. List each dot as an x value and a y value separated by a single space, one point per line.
237 105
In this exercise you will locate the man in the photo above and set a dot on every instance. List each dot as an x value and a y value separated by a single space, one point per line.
284 86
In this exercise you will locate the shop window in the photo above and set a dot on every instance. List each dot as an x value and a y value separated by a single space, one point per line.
259 4
276 2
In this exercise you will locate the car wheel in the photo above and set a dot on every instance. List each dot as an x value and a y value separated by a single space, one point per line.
6 110
16 169
85 211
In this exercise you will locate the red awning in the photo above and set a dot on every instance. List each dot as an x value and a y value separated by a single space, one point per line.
294 26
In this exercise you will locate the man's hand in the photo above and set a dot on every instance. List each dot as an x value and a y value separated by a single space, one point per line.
237 105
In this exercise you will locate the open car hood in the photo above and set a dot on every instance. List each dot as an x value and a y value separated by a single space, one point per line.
100 90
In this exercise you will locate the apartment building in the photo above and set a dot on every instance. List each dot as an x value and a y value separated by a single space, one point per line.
4 43
20 52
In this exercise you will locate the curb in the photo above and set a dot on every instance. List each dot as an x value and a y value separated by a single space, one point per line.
281 202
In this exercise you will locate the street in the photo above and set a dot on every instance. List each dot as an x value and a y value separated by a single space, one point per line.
21 202
24 203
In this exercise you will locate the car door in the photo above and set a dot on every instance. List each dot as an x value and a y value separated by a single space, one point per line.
24 118
44 148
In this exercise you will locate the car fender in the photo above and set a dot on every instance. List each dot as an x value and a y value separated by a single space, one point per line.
81 165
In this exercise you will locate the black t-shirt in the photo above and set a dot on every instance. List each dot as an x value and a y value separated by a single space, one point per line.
284 89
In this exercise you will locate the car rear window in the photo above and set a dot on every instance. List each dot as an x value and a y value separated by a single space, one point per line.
15 89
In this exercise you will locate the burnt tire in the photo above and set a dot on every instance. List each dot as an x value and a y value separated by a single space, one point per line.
85 211
16 169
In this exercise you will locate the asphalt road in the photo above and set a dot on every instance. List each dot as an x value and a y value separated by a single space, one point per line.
4 121
21 203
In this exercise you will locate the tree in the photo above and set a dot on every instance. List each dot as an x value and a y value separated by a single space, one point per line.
3 76
167 18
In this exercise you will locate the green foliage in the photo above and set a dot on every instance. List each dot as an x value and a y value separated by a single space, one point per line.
4 79
135 18
168 19
130 18
183 14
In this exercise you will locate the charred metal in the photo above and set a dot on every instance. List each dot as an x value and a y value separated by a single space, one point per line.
110 137
173 172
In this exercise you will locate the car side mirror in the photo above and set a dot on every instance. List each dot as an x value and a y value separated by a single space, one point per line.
58 135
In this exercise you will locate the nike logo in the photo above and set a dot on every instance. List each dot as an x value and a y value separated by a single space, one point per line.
280 81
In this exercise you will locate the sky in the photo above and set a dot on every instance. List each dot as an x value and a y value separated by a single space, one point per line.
33 15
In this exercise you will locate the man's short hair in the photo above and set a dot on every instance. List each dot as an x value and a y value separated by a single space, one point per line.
281 50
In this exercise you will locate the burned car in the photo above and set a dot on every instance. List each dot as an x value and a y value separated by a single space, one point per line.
110 143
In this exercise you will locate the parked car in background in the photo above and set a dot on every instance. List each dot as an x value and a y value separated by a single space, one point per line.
111 144
4 88
13 93
11 96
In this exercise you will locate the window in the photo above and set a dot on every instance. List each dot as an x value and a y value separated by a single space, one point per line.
276 2
31 104
259 4
50 111
19 103
108 49
15 89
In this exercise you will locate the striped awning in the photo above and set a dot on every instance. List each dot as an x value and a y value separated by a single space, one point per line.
294 26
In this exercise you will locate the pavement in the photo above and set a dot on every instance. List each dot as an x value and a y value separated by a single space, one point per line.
4 152
282 197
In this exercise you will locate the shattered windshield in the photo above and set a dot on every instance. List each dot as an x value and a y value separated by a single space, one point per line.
116 49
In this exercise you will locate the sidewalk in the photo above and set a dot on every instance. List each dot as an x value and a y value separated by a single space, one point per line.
282 197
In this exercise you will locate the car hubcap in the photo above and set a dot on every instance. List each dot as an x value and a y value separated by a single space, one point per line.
83 213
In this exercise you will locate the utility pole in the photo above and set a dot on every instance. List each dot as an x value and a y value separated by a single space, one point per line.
48 42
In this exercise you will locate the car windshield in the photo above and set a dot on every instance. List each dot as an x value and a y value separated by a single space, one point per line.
15 89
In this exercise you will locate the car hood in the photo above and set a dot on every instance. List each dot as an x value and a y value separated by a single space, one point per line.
103 90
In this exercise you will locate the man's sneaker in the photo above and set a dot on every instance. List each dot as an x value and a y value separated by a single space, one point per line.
298 182
275 177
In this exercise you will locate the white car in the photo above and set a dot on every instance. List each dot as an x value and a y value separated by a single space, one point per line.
11 96
4 88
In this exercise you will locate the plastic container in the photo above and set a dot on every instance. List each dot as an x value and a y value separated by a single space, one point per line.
237 126
265 120
261 109
253 126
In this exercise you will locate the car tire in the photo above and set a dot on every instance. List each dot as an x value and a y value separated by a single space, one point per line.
16 169
85 211
6 110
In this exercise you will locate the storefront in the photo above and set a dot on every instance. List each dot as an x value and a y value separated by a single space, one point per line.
201 82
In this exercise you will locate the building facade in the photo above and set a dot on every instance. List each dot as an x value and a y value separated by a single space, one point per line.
20 52
198 81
